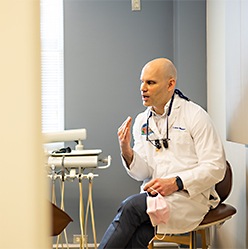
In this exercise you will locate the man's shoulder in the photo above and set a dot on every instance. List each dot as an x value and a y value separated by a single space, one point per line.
191 106
143 114
194 113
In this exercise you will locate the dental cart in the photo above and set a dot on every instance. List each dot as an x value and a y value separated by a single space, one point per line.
66 164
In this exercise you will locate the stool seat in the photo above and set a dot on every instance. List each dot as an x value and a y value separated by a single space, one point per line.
221 212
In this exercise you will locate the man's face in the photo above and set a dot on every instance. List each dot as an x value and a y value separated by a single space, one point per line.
155 88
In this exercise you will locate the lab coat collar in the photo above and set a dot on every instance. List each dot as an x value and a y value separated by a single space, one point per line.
175 106
166 107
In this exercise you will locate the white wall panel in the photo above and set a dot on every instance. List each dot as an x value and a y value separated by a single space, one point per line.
237 71
220 70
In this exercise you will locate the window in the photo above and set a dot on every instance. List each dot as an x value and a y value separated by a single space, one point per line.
52 65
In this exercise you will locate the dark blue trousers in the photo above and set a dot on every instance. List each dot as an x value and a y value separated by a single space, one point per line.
131 227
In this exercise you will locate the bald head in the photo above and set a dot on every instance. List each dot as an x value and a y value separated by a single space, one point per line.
158 82
162 66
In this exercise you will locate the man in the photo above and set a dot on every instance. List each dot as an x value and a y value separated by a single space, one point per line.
176 153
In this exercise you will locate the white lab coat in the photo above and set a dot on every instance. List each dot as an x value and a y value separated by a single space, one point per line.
195 154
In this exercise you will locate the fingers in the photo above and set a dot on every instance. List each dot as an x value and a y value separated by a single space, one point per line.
126 123
164 186
154 187
124 128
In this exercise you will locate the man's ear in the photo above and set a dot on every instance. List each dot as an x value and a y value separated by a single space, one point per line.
172 84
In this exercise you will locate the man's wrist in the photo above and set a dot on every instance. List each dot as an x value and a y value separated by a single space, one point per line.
179 183
128 157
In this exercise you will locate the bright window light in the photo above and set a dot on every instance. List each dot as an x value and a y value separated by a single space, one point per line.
52 65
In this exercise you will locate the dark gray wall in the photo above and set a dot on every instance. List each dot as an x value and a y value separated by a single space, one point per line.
190 48
106 45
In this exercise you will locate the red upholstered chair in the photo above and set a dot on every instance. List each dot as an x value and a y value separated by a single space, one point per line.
214 217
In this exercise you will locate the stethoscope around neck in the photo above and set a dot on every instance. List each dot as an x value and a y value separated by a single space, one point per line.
165 141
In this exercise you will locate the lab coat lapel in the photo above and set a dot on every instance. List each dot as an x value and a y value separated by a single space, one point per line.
172 119
154 128
174 112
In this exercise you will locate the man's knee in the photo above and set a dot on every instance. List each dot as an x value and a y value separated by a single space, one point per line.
136 202
134 208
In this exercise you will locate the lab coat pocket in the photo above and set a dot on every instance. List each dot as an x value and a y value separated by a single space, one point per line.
180 141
